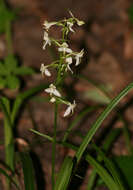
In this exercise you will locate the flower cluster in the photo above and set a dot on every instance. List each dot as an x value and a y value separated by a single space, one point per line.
67 58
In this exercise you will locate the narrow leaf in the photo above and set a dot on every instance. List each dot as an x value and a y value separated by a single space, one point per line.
99 121
28 171
64 174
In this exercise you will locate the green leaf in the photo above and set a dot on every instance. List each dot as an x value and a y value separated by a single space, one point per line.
12 82
10 63
97 95
28 171
3 71
2 83
108 180
99 121
64 174
106 146
111 167
23 71
125 164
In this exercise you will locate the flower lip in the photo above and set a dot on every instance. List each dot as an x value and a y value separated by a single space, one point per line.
78 56
53 91
70 24
44 70
69 62
46 40
70 109
64 48
47 24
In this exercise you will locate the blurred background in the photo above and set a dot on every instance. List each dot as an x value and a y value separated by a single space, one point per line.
107 38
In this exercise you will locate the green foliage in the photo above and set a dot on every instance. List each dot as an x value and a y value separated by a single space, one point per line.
64 174
97 96
130 13
125 164
10 72
28 170
6 15
99 121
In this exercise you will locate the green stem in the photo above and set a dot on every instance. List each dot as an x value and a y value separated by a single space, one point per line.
54 146
9 144
9 37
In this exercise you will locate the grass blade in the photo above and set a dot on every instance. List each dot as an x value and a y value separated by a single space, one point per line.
102 173
110 166
63 177
106 146
99 121
28 170
64 174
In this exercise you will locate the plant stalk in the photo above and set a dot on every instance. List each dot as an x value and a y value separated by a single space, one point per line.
54 146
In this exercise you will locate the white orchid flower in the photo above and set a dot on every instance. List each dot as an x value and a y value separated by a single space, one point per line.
78 57
69 62
64 48
70 109
52 90
46 40
47 24
79 22
70 25
44 70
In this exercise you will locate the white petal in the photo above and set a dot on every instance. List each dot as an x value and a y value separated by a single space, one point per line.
71 29
47 24
42 67
69 60
68 50
67 112
49 90
69 68
80 22
47 73
61 49
56 93
77 61
44 46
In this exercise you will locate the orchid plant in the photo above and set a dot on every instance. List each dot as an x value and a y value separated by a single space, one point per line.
67 57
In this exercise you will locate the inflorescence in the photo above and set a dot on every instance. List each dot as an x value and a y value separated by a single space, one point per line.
63 65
